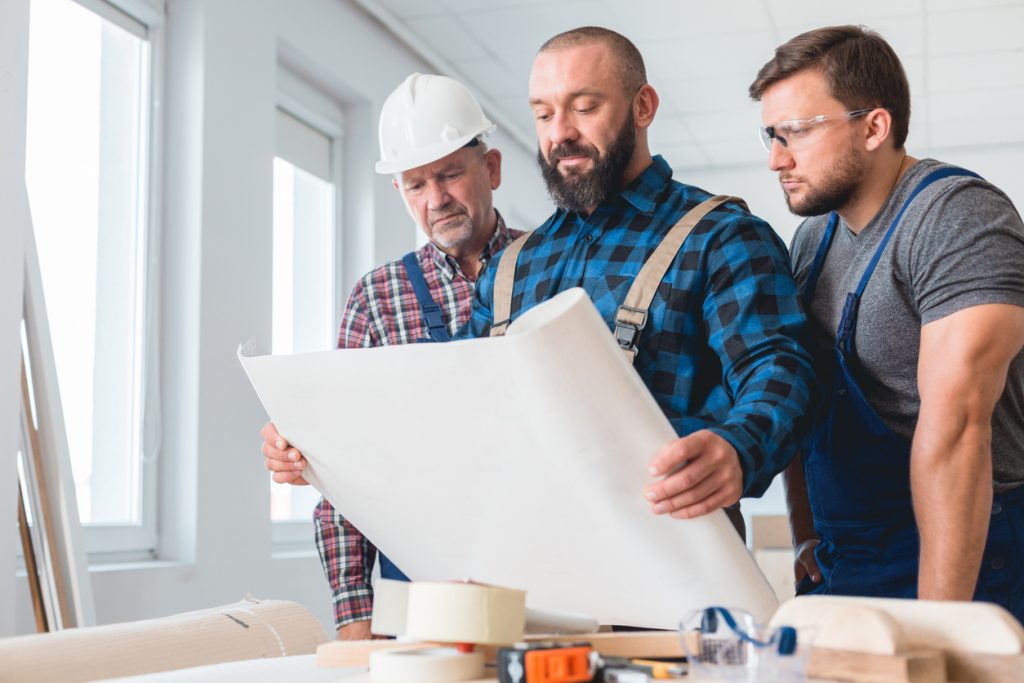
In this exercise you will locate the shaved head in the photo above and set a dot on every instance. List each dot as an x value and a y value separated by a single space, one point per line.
630 65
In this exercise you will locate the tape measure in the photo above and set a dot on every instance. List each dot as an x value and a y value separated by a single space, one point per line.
546 663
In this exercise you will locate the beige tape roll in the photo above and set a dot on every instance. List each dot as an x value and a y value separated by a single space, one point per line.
430 665
452 612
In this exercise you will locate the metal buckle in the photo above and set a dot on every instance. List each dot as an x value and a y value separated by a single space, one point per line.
626 333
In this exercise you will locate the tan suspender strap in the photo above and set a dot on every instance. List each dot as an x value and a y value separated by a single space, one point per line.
501 301
631 317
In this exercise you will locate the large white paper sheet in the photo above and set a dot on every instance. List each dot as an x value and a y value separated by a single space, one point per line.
518 461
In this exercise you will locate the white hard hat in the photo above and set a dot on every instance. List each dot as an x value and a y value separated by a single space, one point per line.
425 119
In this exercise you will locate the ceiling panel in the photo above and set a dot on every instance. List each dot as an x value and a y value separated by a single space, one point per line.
977 105
936 6
905 32
707 95
989 131
740 150
953 73
670 129
727 125
672 19
813 14
492 76
711 54
683 156
479 5
414 8
976 30
523 29
964 60
446 30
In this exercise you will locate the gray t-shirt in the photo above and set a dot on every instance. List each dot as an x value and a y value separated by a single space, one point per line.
960 244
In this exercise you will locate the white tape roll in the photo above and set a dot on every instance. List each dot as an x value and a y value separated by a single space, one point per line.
432 665
459 612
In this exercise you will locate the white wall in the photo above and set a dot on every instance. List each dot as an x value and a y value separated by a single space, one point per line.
222 61
14 209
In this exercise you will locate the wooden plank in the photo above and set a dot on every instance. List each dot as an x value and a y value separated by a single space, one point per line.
31 569
643 644
356 653
978 668
925 666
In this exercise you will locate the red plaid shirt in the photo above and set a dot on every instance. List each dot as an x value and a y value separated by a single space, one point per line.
382 311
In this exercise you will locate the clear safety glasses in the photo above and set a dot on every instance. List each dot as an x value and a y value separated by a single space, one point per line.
798 133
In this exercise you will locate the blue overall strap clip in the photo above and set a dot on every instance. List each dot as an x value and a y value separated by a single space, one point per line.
428 307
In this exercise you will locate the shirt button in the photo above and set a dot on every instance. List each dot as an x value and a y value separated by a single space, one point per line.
997 562
841 392
588 238
996 508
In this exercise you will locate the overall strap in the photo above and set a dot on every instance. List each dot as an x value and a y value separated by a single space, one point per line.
847 324
503 281
428 307
631 317
811 284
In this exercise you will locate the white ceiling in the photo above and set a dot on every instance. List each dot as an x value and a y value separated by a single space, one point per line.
964 59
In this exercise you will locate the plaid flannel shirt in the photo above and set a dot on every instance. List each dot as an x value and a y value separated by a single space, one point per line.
720 348
382 310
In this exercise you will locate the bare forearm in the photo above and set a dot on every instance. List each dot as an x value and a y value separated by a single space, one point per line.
951 484
801 521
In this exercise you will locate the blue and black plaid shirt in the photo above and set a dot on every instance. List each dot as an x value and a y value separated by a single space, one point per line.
719 351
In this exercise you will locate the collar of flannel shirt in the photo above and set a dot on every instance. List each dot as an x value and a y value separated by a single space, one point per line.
643 192
450 267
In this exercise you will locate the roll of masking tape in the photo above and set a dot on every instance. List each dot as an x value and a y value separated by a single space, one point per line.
461 612
430 665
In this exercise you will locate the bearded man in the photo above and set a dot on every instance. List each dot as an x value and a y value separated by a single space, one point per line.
715 340
911 483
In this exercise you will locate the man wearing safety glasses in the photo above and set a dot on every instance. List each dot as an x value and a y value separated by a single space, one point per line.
911 483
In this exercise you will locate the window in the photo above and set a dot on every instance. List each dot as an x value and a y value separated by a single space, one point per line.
88 153
305 306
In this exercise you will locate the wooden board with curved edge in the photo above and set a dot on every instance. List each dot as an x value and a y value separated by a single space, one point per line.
966 627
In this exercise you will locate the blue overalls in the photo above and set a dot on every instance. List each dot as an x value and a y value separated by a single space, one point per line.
858 477
438 333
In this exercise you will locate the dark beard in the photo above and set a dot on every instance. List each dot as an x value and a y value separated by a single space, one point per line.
580 192
837 190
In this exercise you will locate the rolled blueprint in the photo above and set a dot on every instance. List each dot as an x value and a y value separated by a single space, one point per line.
248 629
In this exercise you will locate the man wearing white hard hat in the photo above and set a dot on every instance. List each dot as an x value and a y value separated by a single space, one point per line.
430 140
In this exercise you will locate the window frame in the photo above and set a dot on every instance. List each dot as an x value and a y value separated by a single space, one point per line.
108 543
302 100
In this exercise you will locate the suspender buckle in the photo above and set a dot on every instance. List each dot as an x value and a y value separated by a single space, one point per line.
627 333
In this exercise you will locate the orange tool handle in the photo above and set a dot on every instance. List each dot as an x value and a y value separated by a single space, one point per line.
559 665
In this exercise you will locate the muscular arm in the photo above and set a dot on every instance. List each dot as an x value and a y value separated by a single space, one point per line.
961 374
801 522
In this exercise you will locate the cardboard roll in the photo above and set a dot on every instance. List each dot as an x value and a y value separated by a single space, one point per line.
428 665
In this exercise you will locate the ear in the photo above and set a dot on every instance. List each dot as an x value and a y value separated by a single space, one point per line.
645 106
493 160
878 129
394 182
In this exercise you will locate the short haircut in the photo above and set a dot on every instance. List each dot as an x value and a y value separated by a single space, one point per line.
861 69
632 72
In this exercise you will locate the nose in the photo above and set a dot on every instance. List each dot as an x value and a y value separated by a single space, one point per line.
437 195
779 157
562 129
